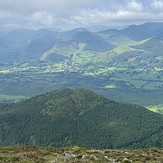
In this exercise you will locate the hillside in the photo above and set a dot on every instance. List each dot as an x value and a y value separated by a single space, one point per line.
124 65
77 42
78 154
153 45
79 117
143 31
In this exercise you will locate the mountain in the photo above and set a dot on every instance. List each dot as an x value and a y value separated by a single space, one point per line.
19 37
61 46
77 41
7 50
40 42
96 28
28 44
58 46
153 44
5 45
93 42
143 31
149 52
69 117
109 31
116 38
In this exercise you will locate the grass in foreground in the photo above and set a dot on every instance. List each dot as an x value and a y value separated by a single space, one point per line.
32 154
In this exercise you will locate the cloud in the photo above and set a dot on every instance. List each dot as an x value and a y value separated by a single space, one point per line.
97 17
41 17
30 6
134 5
132 11
75 13
157 4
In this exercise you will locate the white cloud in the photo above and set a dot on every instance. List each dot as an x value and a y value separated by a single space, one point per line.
79 13
30 6
134 5
122 15
157 4
41 17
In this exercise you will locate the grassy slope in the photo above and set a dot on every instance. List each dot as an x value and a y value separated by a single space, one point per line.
34 154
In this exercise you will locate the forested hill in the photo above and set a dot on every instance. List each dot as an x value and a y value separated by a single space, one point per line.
80 117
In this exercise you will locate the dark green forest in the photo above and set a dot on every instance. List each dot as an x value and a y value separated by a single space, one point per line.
69 117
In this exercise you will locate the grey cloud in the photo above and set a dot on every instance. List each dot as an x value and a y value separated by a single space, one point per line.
79 13
30 6
157 5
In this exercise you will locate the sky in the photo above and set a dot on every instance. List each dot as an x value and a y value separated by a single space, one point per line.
78 13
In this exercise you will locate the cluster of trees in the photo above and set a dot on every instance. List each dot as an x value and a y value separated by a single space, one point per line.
78 117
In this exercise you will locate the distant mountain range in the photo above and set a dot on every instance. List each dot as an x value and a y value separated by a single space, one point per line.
69 117
49 45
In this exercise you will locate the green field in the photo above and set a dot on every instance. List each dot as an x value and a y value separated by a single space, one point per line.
121 84
9 98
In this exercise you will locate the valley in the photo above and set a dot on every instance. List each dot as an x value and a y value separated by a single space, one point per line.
121 65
